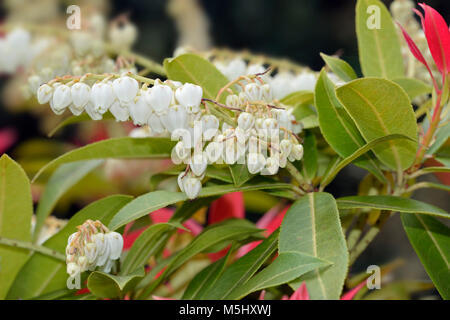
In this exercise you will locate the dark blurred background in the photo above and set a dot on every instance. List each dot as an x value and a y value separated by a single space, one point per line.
295 29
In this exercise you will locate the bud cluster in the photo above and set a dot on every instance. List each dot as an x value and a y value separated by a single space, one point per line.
93 245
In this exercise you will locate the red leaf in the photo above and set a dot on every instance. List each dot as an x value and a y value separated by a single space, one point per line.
228 206
7 139
351 294
438 38
301 293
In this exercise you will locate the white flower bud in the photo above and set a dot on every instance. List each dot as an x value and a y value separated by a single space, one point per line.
176 118
73 269
198 163
125 89
119 111
253 92
103 257
210 126
255 162
81 93
246 121
189 96
44 93
285 147
102 96
180 180
75 111
155 124
90 250
192 187
115 242
62 97
214 151
305 81
272 166
108 266
297 152
233 101
94 114
266 91
83 263
181 151
159 98
140 111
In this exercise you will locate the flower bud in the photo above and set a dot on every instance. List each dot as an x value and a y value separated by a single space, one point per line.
62 97
246 121
125 89
297 152
180 180
189 95
285 147
155 124
181 151
233 101
198 163
192 187
44 93
159 97
81 93
255 162
272 166
119 111
73 269
210 125
214 151
102 96
115 242
140 111
253 92
94 114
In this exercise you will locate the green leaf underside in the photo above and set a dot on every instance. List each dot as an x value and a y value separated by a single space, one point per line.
338 128
413 87
61 181
16 210
339 67
105 285
76 119
287 267
240 174
379 49
431 241
312 227
152 201
310 158
123 148
391 203
297 98
42 274
380 107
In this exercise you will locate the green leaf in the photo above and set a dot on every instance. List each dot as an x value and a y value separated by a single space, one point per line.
312 227
205 279
340 68
76 119
16 210
379 48
105 285
152 201
380 107
287 267
391 203
61 181
240 174
357 154
298 98
195 69
243 269
146 245
442 136
124 148
338 128
42 274
310 158
413 87
435 169
431 241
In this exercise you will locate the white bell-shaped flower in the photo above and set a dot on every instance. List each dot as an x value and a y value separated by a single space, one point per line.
175 118
75 111
159 97
305 81
255 162
246 121
115 242
140 110
73 269
82 263
104 255
189 96
102 96
90 250
81 93
180 179
125 89
198 163
210 126
214 151
253 92
272 166
94 114
233 101
285 147
62 97
181 150
234 69
119 111
266 92
192 187
297 152
44 93
155 124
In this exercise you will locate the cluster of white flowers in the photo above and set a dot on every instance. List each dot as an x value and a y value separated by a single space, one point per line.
18 50
93 245
263 134
283 83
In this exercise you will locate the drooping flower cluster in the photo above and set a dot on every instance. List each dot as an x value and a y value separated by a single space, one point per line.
255 130
92 246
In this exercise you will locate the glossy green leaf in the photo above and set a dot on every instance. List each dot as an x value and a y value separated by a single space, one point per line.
297 98
61 181
379 108
240 174
287 267
42 274
431 241
205 279
146 245
338 128
339 67
195 69
124 148
105 285
76 119
312 227
16 209
391 203
152 201
378 41
310 161
244 268
413 87
357 154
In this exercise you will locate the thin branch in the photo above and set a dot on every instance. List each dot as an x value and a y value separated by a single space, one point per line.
32 247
